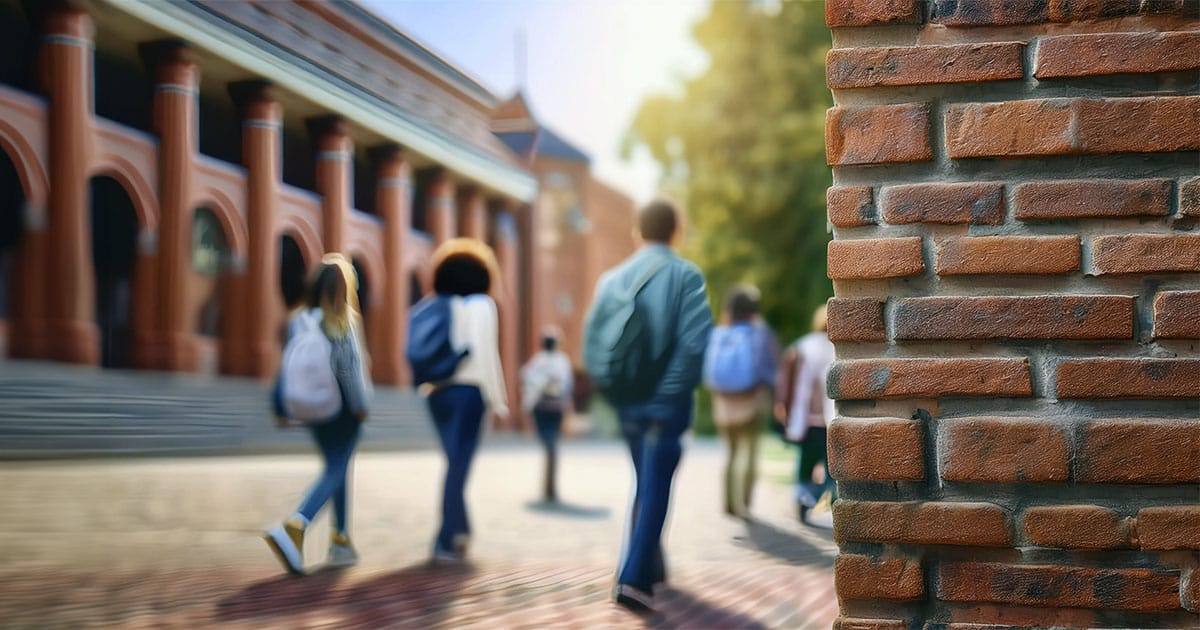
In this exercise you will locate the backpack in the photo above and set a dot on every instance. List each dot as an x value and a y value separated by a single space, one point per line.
617 349
730 365
308 387
430 352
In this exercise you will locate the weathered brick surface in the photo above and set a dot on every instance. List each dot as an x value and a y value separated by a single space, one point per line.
1177 315
987 12
921 65
871 12
1146 253
977 203
1117 53
1173 527
1076 527
1129 378
878 135
928 378
868 259
1003 450
1008 255
864 577
1079 198
1082 587
877 448
1189 590
1189 197
1073 126
922 523
856 623
1035 317
850 206
1138 450
856 319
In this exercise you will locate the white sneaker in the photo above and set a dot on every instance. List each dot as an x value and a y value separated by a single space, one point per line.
341 552
283 543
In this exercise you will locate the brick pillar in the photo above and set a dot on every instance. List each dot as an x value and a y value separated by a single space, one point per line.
508 255
393 200
177 79
27 327
261 116
1017 313
334 178
71 331
440 215
472 213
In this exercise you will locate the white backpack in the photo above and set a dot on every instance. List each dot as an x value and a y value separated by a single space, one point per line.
310 388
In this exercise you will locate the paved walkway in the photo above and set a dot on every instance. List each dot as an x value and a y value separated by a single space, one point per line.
171 542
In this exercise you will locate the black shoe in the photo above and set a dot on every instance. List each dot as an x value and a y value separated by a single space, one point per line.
634 600
803 513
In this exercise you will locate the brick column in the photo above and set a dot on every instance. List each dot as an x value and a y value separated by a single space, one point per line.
440 216
261 116
472 213
1017 313
177 79
393 201
334 178
507 254
27 328
72 334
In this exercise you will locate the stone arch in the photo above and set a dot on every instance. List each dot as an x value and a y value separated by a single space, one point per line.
235 230
305 235
140 192
30 169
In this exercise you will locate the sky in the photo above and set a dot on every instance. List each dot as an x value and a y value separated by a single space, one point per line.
588 63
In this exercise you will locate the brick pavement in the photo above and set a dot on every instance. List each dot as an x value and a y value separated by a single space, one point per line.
165 543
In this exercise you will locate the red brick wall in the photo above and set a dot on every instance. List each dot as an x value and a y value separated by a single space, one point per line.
1017 270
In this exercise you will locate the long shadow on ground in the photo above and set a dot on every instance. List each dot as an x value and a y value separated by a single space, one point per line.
786 545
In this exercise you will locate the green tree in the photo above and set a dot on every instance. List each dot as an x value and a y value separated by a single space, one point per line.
743 147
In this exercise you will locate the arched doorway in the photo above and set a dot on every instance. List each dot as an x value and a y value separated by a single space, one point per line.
364 296
114 252
12 228
210 286
293 272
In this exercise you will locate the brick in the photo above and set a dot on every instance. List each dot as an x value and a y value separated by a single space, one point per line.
878 135
1080 10
1129 378
921 523
975 203
1138 450
840 13
928 378
1189 590
988 12
1117 53
868 259
856 319
922 65
892 449
1093 198
1080 587
863 577
1189 8
1073 127
850 206
1035 255
999 317
1003 450
1189 197
1076 527
1177 315
857 623
1146 253
1169 527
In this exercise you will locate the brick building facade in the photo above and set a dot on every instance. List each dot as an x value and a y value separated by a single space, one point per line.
1017 316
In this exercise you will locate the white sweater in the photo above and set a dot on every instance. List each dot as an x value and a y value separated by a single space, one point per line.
475 327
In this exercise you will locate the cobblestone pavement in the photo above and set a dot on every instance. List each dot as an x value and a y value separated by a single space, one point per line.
162 543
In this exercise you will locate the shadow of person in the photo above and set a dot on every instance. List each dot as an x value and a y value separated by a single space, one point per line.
787 546
418 596
679 609
569 510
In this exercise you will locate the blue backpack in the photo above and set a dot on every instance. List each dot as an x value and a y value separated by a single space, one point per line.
730 363
430 353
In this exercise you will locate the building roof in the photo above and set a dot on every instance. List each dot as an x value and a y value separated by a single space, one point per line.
515 125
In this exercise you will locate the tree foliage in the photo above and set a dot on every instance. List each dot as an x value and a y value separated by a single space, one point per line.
743 147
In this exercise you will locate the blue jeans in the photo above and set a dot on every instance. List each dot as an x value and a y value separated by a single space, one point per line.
458 415
652 431
337 440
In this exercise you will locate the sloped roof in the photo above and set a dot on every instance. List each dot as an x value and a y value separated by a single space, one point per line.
514 123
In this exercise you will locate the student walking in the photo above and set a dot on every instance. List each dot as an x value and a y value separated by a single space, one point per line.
323 382
547 390
644 342
739 370
805 410
454 351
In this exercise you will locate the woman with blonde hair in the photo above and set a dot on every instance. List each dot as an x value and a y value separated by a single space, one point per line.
465 273
331 311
